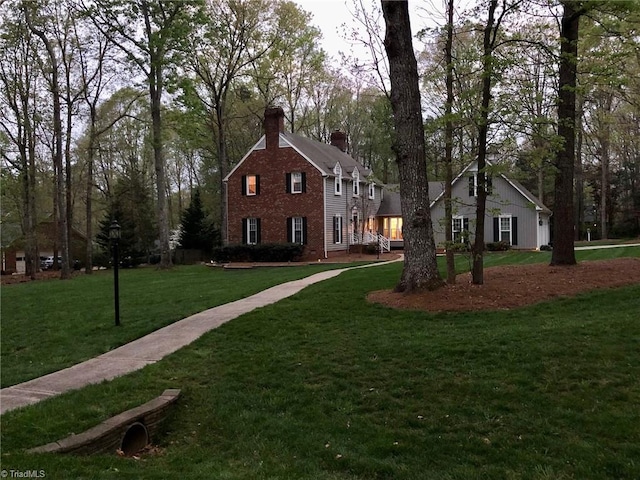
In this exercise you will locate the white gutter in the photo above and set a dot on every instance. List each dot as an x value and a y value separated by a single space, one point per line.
324 214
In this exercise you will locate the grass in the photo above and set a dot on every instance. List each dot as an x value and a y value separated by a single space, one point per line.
609 241
73 320
323 385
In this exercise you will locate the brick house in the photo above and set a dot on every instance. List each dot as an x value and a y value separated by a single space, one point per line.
291 189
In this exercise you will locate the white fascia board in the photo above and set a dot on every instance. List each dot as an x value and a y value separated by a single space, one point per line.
535 203
453 182
225 179
468 167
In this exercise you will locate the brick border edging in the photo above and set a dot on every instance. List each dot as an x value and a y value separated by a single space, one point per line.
107 436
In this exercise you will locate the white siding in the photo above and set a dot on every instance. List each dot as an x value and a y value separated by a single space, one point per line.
342 205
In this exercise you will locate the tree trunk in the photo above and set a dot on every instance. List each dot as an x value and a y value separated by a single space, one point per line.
155 93
604 135
477 269
60 185
563 248
579 176
88 260
156 85
29 198
66 252
420 268
28 154
448 148
223 166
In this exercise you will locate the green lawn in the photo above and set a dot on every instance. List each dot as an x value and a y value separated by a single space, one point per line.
323 385
73 320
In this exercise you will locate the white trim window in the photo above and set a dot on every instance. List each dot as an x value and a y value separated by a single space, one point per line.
337 170
297 230
504 223
296 182
473 184
356 183
392 228
372 191
337 229
456 229
253 230
459 229
250 185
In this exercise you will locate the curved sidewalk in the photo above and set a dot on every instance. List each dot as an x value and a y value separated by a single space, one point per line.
154 346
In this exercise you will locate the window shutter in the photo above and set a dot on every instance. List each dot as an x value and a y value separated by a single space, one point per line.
304 182
287 180
289 230
244 184
258 230
465 224
304 230
496 229
245 228
514 230
472 186
489 182
257 184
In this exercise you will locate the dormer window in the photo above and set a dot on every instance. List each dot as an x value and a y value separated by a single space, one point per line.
473 185
337 171
356 183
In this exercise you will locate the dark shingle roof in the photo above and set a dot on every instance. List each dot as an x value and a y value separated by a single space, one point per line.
323 155
530 196
390 205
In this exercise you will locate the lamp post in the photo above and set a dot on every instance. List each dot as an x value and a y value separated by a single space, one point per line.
114 236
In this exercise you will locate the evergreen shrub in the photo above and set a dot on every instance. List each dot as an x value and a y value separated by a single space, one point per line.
262 252
498 246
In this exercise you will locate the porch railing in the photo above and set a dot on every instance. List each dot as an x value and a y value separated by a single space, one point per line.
369 237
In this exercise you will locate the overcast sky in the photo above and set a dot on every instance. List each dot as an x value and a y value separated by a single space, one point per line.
330 15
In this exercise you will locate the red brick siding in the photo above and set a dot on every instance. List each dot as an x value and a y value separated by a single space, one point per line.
273 205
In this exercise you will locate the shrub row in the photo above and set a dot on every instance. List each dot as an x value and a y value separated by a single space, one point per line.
262 252
459 247
498 246
466 247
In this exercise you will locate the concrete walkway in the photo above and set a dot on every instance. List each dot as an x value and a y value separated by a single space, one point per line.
153 347
597 247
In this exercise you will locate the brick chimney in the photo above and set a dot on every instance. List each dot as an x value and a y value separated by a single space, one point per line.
339 139
273 125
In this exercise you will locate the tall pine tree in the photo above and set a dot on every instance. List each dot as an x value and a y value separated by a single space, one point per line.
196 231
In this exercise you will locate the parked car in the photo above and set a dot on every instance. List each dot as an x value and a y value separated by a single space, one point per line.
47 263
